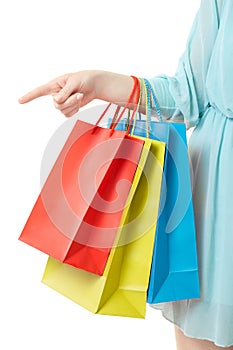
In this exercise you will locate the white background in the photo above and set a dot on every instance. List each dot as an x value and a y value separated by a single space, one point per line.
40 40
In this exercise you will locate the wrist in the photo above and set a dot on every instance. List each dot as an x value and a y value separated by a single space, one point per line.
112 87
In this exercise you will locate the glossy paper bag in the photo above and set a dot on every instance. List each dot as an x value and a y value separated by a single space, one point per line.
122 289
175 278
77 214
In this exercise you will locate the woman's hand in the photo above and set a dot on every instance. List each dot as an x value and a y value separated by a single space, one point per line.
75 90
69 91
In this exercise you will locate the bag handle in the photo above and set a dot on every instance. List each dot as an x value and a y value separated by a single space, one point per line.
139 102
149 91
135 90
116 120
129 118
145 86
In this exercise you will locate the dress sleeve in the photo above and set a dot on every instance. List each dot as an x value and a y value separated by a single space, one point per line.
183 97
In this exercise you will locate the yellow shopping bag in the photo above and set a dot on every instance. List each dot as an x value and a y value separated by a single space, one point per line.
122 289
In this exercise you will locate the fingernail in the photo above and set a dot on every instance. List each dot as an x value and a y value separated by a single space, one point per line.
58 97
21 99
79 96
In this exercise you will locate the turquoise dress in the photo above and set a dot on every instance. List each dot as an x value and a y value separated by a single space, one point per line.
201 95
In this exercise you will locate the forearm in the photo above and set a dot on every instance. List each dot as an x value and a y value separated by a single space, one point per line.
114 87
74 90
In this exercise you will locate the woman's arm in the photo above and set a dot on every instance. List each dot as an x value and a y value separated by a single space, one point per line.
74 90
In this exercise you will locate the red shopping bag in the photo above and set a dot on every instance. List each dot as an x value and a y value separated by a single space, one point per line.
77 214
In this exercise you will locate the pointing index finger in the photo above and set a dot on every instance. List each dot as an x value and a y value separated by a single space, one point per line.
42 90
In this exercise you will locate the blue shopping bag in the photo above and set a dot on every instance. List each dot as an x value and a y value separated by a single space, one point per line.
174 269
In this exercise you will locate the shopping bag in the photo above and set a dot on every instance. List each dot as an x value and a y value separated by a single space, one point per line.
77 214
122 289
174 270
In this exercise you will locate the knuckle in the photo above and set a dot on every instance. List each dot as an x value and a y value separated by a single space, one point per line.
57 105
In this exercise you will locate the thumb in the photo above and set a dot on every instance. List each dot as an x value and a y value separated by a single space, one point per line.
64 93
79 97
